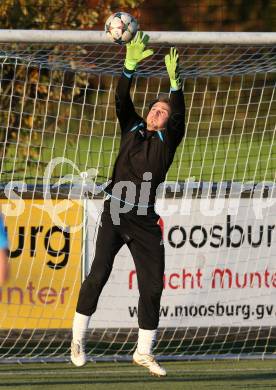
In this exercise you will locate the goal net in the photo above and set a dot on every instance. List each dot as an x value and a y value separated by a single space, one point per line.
58 143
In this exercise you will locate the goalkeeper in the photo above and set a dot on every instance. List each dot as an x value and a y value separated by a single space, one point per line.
146 153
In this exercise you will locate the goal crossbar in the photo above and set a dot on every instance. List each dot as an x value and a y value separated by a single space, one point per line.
161 37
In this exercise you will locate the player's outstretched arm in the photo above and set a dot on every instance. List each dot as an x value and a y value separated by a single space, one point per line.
135 53
176 123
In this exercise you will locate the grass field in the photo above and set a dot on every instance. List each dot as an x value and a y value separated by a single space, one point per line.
235 158
221 375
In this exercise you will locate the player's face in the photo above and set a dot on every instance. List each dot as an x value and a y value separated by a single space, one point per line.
158 116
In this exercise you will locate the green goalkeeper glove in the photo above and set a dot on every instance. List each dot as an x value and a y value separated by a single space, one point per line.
172 64
135 50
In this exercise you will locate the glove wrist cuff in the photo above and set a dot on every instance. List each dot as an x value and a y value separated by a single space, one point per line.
128 73
130 65
176 84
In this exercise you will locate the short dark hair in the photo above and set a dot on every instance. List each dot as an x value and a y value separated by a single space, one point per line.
160 98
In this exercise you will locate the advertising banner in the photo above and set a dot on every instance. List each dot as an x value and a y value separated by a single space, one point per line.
46 244
220 266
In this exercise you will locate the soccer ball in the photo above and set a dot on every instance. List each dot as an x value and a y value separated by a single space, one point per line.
121 27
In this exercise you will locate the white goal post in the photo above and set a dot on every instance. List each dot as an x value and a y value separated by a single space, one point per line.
59 138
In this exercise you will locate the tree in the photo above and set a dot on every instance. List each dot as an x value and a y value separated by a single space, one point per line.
24 89
59 14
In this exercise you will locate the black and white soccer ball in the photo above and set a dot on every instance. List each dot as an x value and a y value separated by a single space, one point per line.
121 27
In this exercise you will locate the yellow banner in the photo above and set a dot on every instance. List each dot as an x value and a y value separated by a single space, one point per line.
45 241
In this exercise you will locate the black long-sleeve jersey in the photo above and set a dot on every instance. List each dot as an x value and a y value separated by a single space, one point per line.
142 150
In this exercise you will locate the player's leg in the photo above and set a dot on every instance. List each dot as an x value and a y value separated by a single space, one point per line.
147 250
108 244
149 264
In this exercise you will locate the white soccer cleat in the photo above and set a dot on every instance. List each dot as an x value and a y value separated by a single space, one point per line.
149 362
78 357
